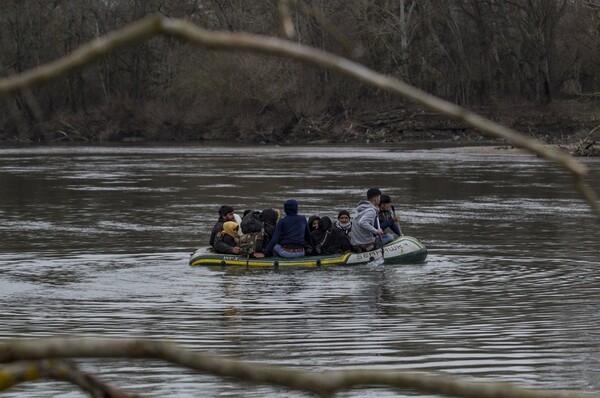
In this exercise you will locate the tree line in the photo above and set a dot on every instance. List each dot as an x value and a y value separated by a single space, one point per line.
472 52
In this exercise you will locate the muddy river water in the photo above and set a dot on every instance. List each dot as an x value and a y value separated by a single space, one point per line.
95 241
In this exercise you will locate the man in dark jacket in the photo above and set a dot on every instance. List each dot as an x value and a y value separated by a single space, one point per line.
226 241
290 233
387 219
225 214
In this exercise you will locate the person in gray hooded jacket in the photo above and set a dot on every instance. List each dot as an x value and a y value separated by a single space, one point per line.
365 226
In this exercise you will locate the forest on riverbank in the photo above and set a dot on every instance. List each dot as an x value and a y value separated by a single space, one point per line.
529 64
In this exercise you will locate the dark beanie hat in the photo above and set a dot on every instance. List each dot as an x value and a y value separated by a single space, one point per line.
225 209
344 213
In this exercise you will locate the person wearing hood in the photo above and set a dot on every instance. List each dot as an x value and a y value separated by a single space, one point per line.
365 226
270 218
290 233
226 241
327 239
313 222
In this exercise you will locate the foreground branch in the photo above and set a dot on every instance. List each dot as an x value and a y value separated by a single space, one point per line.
322 383
24 371
187 31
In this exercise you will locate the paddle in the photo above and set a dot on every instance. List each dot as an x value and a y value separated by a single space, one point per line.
394 213
378 238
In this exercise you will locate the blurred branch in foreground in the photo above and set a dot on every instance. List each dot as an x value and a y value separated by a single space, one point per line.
152 26
323 383
24 371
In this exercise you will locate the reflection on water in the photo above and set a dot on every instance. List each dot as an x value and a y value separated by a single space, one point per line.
96 242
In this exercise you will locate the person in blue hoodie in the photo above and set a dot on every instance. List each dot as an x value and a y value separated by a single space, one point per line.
290 233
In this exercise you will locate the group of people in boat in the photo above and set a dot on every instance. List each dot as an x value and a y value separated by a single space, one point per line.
267 233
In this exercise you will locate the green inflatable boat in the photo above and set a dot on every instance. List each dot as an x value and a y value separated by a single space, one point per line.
403 250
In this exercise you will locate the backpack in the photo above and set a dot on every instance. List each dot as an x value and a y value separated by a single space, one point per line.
251 242
252 222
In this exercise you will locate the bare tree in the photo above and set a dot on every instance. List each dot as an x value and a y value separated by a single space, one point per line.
536 22
470 52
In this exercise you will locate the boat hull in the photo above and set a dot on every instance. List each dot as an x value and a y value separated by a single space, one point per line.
404 250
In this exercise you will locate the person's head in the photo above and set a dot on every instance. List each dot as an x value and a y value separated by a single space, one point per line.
325 223
226 213
290 207
313 222
344 217
385 202
269 216
373 196
231 228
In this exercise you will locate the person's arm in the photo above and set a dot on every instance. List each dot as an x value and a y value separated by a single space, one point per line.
367 221
386 224
276 235
223 247
213 234
307 237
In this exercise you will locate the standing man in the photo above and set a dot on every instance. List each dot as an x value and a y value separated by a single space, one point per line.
365 226
290 233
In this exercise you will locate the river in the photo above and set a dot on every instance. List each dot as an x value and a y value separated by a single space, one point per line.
96 242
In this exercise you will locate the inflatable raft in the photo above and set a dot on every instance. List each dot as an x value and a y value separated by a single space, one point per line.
403 250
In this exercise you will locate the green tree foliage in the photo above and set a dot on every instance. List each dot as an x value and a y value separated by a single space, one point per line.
473 52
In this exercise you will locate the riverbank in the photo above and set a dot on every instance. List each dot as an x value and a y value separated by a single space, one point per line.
565 123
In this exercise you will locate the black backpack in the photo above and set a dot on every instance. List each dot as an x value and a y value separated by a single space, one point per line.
252 222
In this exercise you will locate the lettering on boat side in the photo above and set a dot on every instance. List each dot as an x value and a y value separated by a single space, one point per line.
366 255
229 257
397 246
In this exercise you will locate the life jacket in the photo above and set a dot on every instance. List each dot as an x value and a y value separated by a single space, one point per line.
252 222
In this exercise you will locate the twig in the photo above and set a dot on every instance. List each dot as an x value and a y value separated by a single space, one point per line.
322 383
24 371
84 55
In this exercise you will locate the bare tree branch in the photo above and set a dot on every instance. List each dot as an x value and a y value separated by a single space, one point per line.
184 30
322 383
25 371
84 55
